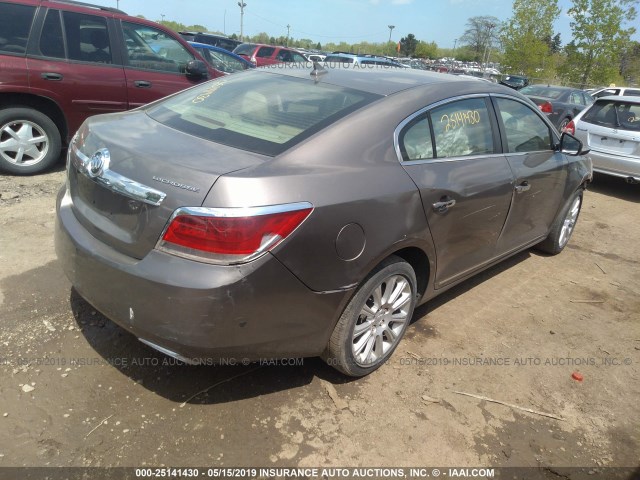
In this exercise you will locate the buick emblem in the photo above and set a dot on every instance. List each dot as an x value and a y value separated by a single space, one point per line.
98 162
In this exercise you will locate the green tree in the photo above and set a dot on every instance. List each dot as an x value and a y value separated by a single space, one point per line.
318 46
528 38
600 38
480 35
630 64
408 45
426 50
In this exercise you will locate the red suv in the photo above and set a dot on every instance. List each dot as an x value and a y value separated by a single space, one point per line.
63 61
261 55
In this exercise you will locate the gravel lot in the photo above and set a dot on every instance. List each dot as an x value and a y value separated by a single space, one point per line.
76 390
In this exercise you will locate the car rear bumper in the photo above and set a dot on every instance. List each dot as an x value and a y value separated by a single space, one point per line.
617 165
197 311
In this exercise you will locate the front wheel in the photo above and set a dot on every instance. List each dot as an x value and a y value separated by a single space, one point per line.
29 141
563 226
374 321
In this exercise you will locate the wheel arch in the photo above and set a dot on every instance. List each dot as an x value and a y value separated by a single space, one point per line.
43 104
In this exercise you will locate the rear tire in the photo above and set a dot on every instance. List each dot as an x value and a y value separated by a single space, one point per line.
563 226
564 123
29 141
375 320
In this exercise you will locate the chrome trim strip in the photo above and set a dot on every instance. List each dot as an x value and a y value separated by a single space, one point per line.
114 181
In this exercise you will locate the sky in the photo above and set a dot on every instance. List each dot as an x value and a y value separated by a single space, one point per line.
440 21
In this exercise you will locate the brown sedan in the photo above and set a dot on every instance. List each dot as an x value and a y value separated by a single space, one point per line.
300 212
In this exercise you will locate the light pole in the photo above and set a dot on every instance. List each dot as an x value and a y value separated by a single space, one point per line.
391 27
487 48
288 28
118 4
241 4
162 15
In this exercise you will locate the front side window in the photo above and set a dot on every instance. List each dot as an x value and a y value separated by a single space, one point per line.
462 128
222 61
524 129
630 92
15 24
614 114
51 39
87 38
152 49
258 112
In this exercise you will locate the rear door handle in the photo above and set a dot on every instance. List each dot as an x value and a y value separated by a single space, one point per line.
443 205
56 77
142 84
523 187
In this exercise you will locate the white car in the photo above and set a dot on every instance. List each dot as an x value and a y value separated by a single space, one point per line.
610 127
606 91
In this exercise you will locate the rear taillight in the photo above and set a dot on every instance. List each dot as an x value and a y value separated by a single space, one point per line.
546 107
570 128
230 235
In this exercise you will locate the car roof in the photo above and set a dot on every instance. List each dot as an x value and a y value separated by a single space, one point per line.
381 80
620 98
211 47
555 87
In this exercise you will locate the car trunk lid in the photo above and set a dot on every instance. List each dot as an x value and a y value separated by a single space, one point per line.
151 171
609 140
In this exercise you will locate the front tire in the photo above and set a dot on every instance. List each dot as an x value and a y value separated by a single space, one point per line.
375 320
563 226
29 141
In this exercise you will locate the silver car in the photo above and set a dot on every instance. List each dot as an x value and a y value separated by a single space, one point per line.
611 129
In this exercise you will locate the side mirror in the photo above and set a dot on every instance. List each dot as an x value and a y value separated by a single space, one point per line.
570 145
197 69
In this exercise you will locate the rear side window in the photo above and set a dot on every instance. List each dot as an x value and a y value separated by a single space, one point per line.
336 59
462 128
259 112
15 24
614 114
265 52
629 92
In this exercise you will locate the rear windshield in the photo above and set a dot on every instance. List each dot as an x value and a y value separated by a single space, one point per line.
244 49
257 111
539 91
614 114
336 59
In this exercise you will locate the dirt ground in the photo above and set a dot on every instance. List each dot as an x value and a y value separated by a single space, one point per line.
76 390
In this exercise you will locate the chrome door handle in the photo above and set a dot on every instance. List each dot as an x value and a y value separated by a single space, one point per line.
523 187
443 205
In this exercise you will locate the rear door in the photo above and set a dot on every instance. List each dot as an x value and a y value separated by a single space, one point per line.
15 25
73 62
452 153
539 171
155 63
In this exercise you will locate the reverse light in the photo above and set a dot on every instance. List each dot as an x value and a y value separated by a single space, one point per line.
230 235
570 128
546 107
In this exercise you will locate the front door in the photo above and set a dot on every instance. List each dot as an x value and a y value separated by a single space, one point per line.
539 170
155 64
452 154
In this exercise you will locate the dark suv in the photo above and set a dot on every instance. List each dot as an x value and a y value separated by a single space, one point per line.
211 39
63 61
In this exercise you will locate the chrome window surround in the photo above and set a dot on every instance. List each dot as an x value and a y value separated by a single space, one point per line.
410 118
231 212
110 179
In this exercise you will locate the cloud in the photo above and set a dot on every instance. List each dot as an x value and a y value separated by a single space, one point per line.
374 2
401 2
